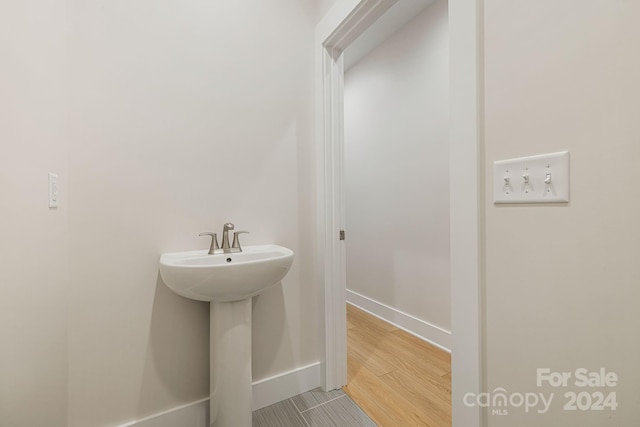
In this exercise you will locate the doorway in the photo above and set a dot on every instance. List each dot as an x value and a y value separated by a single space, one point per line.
396 174
396 195
340 27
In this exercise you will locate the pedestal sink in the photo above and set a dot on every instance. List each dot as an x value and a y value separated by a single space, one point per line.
228 281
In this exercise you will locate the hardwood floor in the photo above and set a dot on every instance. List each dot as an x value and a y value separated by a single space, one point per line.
396 378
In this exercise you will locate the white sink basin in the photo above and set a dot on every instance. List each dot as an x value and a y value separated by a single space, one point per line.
225 277
228 281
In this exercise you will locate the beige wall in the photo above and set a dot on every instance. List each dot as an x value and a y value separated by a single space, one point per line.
322 7
562 281
33 270
179 118
183 117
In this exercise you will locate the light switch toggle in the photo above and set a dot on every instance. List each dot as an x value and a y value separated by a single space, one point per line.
507 184
547 179
527 183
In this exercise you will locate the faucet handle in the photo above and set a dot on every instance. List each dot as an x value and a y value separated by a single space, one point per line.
214 241
236 241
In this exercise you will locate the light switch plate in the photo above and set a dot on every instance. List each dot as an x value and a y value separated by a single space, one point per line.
53 190
536 179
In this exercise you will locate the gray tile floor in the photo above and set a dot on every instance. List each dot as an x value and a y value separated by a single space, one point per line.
314 408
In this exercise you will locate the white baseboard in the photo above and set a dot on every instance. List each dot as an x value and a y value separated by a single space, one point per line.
195 414
265 392
424 330
288 384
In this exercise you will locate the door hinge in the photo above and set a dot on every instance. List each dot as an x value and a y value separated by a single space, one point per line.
341 234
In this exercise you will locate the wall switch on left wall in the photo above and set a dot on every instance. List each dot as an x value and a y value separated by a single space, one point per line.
53 190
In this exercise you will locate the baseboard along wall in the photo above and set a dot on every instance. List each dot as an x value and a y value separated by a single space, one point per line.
279 387
424 330
265 392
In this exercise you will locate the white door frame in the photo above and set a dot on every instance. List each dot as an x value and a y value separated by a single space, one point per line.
344 22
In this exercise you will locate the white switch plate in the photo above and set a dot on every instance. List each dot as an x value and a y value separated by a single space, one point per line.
53 190
510 179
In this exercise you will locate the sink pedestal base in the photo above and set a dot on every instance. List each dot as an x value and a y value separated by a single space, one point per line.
230 363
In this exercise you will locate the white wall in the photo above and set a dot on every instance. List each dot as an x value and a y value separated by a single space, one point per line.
562 281
181 116
33 270
397 169
322 7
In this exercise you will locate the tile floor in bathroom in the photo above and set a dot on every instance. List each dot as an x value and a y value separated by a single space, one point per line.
314 408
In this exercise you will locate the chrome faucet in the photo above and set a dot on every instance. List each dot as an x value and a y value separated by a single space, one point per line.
235 246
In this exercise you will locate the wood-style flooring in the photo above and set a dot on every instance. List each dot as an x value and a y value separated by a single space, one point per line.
394 377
